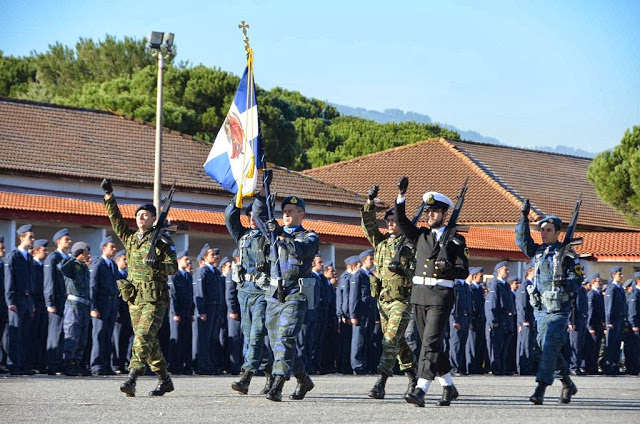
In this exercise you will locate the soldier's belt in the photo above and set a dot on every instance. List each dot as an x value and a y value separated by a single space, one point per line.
432 282
249 277
77 299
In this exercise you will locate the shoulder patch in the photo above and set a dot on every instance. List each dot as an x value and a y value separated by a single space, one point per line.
466 252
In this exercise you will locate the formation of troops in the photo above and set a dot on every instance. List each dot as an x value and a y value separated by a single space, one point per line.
410 304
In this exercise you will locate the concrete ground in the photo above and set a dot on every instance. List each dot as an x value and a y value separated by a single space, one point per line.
335 399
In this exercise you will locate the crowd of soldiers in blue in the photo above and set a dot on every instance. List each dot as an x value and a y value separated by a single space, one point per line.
227 316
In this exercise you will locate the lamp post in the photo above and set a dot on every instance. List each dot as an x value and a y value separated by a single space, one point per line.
160 45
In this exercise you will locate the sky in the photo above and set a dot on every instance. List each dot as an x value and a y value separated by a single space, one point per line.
529 73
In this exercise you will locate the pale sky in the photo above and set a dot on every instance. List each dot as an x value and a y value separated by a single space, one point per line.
528 73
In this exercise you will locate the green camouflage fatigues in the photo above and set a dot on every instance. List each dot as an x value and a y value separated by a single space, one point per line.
148 307
393 292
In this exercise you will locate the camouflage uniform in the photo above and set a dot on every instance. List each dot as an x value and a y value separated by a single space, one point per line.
393 292
76 308
152 290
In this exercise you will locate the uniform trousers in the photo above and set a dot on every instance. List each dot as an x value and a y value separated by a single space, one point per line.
76 329
146 319
284 321
395 316
253 306
552 335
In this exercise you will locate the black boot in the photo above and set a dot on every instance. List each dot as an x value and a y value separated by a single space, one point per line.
413 379
165 385
416 397
538 395
84 371
70 368
377 392
242 385
568 389
275 394
268 384
448 394
304 385
129 386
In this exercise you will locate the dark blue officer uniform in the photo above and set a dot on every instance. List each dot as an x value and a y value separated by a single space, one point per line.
323 289
632 338
180 305
207 302
330 345
234 326
361 306
342 312
4 316
615 316
122 330
573 350
499 310
476 344
595 327
37 342
460 315
306 339
527 335
104 299
55 296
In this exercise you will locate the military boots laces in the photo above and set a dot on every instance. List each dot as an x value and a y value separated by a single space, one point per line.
129 386
242 385
267 385
275 394
377 392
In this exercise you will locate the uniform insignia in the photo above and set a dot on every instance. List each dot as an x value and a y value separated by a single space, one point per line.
294 200
551 221
578 269
466 252
430 200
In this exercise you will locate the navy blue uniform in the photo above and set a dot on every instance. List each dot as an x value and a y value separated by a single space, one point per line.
207 300
323 289
460 314
234 326
18 280
632 338
330 345
574 350
76 308
499 310
526 347
104 298
122 332
615 308
342 312
55 295
476 345
36 353
181 305
595 328
363 307
4 317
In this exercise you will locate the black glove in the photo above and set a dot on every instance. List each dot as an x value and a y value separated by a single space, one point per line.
268 176
403 184
373 192
525 208
164 242
274 227
106 186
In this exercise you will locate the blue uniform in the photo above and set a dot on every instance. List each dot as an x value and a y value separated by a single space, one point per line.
499 309
55 294
595 325
4 316
36 353
615 311
122 332
363 307
180 305
527 334
234 326
208 302
632 339
330 345
76 308
574 350
104 299
342 312
323 288
18 281
460 314
476 345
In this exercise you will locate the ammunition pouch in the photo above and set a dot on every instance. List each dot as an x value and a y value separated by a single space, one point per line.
127 290
307 288
552 301
151 291
534 297
376 285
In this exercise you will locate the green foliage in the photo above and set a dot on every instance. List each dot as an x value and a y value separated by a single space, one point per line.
121 76
616 176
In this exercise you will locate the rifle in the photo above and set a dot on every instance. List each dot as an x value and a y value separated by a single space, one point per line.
272 238
152 258
568 241
451 230
395 265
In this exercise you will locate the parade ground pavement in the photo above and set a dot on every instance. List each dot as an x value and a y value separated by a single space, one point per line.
335 399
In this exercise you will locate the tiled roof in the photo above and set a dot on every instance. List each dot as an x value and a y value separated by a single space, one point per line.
499 178
87 144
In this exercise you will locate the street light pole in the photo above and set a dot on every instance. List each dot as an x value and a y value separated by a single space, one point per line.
157 174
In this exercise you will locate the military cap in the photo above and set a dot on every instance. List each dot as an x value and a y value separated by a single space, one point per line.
435 200
585 282
79 247
499 265
223 261
293 200
24 229
105 241
318 255
476 270
1 239
216 250
528 266
364 254
351 260
40 243
628 283
594 276
328 264
235 253
60 233
203 251
182 254
512 279
248 210
120 253
147 207
635 274
389 212
551 219
615 269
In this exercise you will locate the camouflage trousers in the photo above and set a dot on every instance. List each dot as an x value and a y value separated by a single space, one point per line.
284 321
76 329
146 319
394 318
253 307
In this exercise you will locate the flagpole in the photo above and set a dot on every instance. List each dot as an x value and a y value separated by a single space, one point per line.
249 98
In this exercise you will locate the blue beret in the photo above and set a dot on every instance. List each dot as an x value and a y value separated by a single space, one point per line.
615 269
1 239
476 270
223 261
636 274
60 233
390 211
120 253
364 254
594 276
40 243
528 266
293 200
24 229
627 283
551 219
203 251
182 254
499 265
146 207
235 253
328 264
107 239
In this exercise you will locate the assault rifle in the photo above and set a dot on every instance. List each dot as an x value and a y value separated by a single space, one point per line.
272 238
152 258
568 241
443 260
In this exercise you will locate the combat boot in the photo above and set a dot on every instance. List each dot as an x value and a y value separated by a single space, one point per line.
304 385
70 368
448 394
165 385
84 371
267 384
568 389
377 392
416 397
275 394
242 385
538 395
413 379
129 386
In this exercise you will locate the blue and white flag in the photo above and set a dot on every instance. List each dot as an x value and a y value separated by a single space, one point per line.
236 152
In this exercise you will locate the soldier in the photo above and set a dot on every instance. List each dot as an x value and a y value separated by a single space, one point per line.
4 316
329 345
392 291
615 317
322 304
234 327
18 277
595 324
55 295
342 312
432 293
76 308
296 248
632 340
459 323
361 314
148 305
499 307
104 307
252 279
38 335
122 330
476 346
181 317
525 325
573 350
514 284
550 298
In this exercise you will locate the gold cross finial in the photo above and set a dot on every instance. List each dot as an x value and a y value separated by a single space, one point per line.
243 25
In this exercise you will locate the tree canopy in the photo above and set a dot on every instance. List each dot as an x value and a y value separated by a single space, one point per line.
121 76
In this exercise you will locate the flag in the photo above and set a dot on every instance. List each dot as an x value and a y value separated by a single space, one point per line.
236 153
